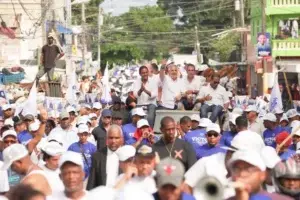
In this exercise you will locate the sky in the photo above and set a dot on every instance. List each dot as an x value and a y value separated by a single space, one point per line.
118 7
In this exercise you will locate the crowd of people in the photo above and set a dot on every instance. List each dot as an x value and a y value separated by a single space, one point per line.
100 152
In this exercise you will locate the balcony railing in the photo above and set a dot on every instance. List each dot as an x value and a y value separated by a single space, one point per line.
277 7
285 2
287 47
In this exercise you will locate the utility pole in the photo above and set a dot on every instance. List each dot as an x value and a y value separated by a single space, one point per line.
242 16
100 23
84 50
68 53
198 46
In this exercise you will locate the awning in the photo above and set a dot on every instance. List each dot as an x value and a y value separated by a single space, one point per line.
292 66
58 26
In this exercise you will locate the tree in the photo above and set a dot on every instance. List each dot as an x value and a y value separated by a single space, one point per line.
140 38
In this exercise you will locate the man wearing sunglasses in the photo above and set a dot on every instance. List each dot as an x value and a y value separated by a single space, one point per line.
214 99
213 135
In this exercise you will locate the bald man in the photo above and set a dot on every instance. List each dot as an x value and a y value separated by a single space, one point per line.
105 162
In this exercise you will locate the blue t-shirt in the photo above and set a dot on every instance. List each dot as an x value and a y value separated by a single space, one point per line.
287 154
227 138
260 196
207 150
196 137
269 136
128 131
293 147
88 149
287 129
24 137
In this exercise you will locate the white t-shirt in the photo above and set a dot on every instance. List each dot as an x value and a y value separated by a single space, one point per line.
53 178
4 186
193 85
146 184
62 196
170 90
145 99
69 136
219 95
209 166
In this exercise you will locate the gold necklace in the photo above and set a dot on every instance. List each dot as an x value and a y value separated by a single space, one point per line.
169 150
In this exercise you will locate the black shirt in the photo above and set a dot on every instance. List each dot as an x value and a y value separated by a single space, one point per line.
50 53
181 150
99 134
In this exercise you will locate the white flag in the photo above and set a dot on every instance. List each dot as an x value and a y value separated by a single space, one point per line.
30 106
106 98
275 100
72 89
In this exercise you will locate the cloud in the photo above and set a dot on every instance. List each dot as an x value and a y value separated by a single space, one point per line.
118 7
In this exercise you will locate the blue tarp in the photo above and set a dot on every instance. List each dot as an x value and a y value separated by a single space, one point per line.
58 26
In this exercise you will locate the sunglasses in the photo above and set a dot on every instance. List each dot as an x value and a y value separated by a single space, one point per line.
216 82
212 134
10 141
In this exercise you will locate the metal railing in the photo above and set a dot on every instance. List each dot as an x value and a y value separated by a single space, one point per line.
286 44
285 3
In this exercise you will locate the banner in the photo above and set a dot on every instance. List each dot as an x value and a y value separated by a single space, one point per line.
275 100
55 103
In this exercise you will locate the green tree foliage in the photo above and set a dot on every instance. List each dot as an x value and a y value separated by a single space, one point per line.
224 45
140 37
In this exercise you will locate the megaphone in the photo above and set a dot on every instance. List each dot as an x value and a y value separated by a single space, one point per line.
209 188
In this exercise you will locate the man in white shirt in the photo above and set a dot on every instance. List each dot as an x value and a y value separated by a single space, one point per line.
145 90
52 152
141 173
214 99
66 129
173 88
192 85
255 123
72 176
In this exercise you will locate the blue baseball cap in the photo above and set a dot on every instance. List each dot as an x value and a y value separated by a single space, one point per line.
106 113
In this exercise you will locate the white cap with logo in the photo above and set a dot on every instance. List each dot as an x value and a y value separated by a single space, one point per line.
251 108
83 128
97 105
9 133
205 122
138 111
213 127
125 152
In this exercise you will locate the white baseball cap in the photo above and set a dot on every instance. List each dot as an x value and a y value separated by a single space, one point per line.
83 120
270 117
205 122
238 111
6 107
92 115
232 117
97 105
138 111
86 106
56 135
73 157
291 113
247 140
125 152
250 157
83 128
213 127
53 149
70 109
13 153
278 110
195 117
270 157
9 133
284 118
9 122
34 126
251 108
142 122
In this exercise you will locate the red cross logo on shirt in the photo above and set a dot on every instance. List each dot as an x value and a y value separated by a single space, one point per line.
169 169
